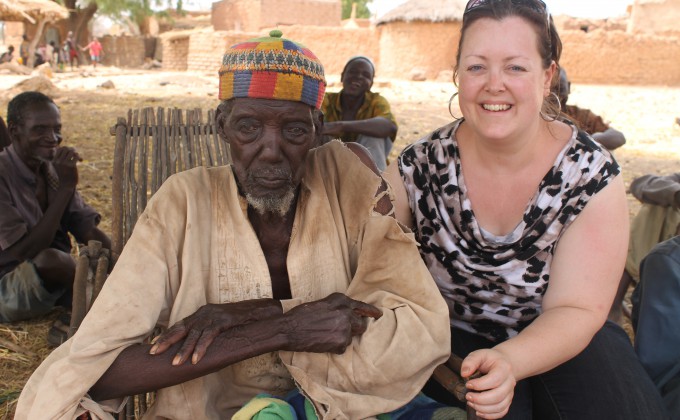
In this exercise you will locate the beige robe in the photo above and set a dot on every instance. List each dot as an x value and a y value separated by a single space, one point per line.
194 245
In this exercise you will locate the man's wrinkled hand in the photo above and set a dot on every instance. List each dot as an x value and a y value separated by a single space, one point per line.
201 328
328 325
64 162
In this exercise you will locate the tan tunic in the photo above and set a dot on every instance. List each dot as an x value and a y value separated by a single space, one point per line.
194 245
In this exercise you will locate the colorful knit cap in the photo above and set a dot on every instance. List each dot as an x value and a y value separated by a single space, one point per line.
272 68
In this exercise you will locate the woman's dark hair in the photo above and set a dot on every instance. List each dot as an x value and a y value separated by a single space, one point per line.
549 43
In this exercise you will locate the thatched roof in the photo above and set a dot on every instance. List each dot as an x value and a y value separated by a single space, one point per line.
426 11
31 10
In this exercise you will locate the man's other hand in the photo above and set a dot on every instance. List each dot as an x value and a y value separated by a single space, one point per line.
65 160
328 325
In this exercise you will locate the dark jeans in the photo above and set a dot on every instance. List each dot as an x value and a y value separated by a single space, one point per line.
605 381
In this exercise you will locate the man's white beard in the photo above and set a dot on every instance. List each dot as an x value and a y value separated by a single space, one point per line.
272 204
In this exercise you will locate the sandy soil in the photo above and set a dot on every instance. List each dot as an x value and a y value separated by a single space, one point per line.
646 115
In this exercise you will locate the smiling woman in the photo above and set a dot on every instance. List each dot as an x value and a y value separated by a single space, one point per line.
521 220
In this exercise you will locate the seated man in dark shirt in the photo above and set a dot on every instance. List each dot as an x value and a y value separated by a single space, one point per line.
356 114
39 206
656 310
587 120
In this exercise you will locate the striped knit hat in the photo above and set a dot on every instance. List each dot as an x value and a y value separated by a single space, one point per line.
272 68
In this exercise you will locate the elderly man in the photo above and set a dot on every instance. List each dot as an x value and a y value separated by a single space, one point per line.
355 114
282 270
39 206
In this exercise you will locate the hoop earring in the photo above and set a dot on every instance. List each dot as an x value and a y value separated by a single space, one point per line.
554 110
451 112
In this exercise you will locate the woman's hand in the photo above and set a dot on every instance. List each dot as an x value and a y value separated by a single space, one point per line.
199 329
491 394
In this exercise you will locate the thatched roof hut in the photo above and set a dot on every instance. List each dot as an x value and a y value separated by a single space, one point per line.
31 10
425 11
36 12
420 36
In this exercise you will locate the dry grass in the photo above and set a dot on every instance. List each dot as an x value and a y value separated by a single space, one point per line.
644 114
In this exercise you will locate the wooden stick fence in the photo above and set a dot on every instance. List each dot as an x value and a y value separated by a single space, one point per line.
150 147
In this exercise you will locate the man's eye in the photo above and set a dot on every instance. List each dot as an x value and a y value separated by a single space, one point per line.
247 127
297 134
296 131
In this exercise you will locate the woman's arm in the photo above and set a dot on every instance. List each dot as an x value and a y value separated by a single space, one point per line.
584 275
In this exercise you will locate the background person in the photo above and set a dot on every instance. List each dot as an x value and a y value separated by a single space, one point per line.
7 56
656 311
95 49
71 50
587 120
519 217
657 220
355 114
303 233
39 206
23 50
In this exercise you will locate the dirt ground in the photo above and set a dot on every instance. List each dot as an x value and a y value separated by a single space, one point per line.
646 115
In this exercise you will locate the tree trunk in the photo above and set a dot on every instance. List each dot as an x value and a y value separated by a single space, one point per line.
78 19
34 42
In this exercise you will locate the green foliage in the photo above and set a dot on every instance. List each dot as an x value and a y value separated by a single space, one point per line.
362 8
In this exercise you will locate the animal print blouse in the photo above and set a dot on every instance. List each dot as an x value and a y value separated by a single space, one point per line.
494 285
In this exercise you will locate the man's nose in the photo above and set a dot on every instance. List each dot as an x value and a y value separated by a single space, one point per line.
54 136
271 144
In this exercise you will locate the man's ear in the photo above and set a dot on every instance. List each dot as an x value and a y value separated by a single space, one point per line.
5 139
220 121
12 131
318 116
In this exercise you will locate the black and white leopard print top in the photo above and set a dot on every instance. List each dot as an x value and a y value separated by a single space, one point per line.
494 285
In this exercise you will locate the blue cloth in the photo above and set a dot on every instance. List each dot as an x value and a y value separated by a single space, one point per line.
656 320
295 406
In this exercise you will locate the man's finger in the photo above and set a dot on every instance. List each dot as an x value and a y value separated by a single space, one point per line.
187 348
367 310
204 342
164 341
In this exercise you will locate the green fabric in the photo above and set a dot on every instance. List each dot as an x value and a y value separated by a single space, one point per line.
266 408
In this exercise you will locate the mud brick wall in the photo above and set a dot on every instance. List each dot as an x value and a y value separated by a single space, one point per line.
617 57
175 52
236 15
206 48
253 15
333 47
123 51
417 45
598 56
307 12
